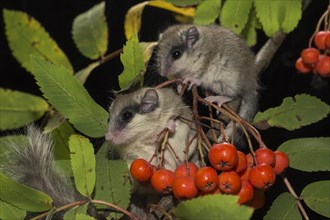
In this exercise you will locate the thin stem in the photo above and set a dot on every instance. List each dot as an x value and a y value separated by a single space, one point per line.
111 56
291 190
129 214
173 152
79 203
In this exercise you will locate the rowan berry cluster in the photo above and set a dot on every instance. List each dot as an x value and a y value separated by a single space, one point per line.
230 172
317 60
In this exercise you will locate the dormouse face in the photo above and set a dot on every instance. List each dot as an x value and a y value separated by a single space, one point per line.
127 114
176 50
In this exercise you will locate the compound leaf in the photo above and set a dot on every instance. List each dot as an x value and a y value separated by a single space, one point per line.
284 207
70 98
83 164
27 37
294 112
316 196
308 154
18 108
90 32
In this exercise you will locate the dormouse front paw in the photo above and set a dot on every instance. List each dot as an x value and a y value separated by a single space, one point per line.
218 99
171 126
192 81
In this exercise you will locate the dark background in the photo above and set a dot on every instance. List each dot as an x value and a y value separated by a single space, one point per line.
278 81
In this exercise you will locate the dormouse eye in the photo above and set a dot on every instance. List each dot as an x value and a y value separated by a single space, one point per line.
176 54
127 115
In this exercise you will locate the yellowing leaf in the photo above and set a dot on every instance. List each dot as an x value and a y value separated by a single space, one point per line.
133 16
90 32
147 48
83 164
27 37
18 108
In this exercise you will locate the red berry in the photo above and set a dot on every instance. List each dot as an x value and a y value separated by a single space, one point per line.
327 40
303 67
242 162
223 156
265 155
206 179
258 200
245 173
323 66
141 170
319 39
184 188
184 170
162 180
262 176
230 182
246 192
310 55
281 162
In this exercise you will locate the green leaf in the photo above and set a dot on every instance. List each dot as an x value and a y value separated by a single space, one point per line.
81 216
308 154
90 32
284 207
212 207
207 12
27 37
235 14
9 212
23 197
64 166
83 74
83 164
61 137
293 12
132 59
295 112
73 213
269 14
249 32
18 108
185 2
70 98
112 181
316 196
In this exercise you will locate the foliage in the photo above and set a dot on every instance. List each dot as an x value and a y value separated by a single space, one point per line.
67 103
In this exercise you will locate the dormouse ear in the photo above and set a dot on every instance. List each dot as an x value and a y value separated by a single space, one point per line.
149 102
192 36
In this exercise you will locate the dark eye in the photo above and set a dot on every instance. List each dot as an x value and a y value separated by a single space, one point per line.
126 116
176 54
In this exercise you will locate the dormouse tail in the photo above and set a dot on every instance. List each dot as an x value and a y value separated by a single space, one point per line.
32 163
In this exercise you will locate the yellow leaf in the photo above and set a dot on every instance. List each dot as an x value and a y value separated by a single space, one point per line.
134 14
147 48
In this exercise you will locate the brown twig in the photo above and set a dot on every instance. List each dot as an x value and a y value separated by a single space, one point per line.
129 214
293 193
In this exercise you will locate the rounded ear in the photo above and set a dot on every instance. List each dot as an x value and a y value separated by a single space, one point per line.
192 36
149 102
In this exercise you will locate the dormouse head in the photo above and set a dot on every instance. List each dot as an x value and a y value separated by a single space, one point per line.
129 115
176 49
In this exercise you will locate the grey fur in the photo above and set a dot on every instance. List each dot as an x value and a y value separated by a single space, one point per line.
31 163
219 59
